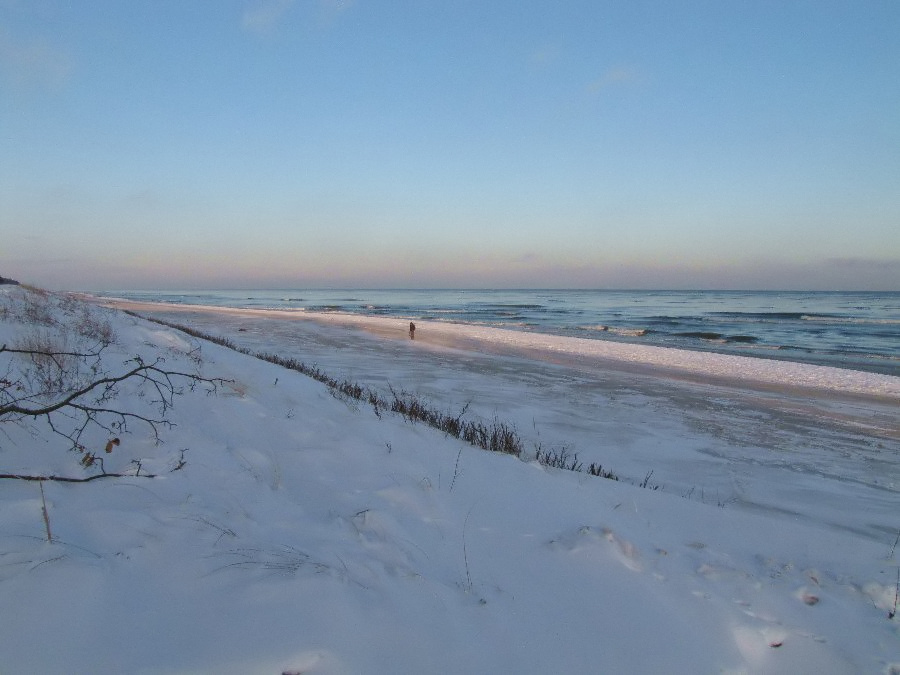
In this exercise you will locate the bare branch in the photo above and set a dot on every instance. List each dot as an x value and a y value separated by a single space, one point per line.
67 479
59 372
88 404
54 354
144 371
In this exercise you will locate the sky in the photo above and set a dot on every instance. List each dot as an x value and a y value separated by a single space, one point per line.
162 144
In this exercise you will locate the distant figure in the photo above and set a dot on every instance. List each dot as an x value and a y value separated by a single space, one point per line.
412 331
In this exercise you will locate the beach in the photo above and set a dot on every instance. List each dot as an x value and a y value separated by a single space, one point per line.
769 422
289 528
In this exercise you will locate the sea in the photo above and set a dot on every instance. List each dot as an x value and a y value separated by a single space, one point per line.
855 330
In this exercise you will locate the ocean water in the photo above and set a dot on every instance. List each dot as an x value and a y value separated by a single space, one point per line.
859 330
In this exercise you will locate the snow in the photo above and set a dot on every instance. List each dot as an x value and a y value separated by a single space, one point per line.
306 534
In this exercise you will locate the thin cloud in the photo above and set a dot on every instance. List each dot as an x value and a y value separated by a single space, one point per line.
33 63
619 75
335 6
883 264
545 55
331 10
528 259
263 17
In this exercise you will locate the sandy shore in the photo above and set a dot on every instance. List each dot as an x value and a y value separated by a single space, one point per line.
695 366
855 400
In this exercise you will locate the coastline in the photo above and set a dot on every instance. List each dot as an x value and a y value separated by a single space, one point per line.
854 399
851 331
671 362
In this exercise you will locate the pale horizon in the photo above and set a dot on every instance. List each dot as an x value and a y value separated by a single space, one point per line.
425 289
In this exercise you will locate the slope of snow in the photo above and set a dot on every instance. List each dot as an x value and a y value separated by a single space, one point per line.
306 534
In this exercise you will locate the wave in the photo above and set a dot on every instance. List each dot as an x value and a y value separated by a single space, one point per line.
822 317
702 335
784 316
505 305
630 332
849 319
746 339
329 308
718 337
614 330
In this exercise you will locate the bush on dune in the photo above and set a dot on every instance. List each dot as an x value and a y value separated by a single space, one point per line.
61 373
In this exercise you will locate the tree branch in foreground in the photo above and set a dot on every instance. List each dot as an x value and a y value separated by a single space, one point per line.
82 396
68 479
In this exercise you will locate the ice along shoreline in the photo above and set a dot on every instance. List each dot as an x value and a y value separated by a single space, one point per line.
667 362
853 330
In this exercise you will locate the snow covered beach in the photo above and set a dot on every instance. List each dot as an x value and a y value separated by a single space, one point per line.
307 534
704 366
856 331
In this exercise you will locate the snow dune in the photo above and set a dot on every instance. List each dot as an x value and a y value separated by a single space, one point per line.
306 534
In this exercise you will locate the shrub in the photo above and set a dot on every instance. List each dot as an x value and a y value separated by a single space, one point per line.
60 375
559 459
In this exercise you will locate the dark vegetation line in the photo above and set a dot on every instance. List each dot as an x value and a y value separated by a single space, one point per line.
496 436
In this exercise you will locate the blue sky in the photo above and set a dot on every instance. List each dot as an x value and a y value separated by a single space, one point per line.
328 143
